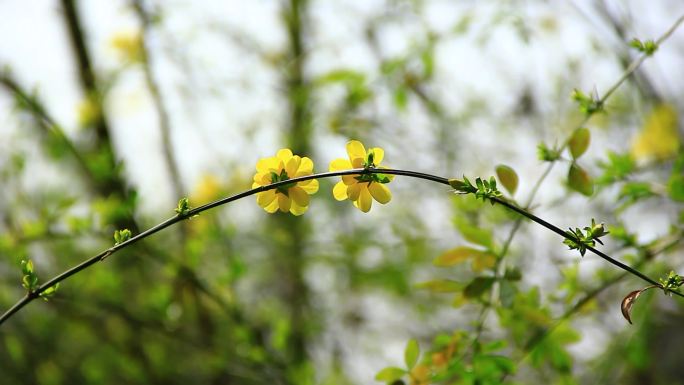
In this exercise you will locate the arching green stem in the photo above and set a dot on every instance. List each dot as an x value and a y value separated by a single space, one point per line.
195 211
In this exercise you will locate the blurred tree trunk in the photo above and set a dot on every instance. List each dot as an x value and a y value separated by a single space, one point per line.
102 156
298 138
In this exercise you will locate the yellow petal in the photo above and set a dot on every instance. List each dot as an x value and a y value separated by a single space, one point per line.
265 198
380 192
340 164
285 154
272 207
378 155
263 178
340 191
356 151
292 165
659 138
295 209
365 201
299 196
256 184
266 165
349 179
310 186
284 203
358 162
305 167
353 191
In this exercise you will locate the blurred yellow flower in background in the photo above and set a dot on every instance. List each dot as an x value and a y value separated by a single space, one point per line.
128 45
292 197
361 189
88 111
208 189
659 139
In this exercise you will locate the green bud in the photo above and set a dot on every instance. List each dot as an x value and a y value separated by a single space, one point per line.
26 266
49 292
183 206
121 236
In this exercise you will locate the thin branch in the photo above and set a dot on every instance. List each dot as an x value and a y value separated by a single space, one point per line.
628 72
113 180
196 211
45 120
86 73
541 335
631 69
158 100
635 64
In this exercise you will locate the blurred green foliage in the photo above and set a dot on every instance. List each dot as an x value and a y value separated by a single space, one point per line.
327 298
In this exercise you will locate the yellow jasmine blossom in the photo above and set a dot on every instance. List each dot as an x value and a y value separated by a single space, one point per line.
292 197
88 111
128 45
208 189
361 188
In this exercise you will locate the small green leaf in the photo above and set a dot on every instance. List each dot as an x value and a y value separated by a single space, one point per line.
618 167
121 236
27 266
462 186
512 274
49 292
636 43
475 235
411 353
494 346
579 142
579 180
478 286
675 187
483 261
648 47
547 154
29 278
588 104
455 256
507 293
401 98
441 286
381 178
390 374
184 203
370 158
508 178
672 282
457 184
30 282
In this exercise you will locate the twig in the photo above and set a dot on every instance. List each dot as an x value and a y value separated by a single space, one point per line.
192 212
631 68
155 92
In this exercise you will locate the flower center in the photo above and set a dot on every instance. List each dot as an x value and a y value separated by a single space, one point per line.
279 178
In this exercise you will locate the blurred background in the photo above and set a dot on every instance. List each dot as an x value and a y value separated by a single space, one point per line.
110 111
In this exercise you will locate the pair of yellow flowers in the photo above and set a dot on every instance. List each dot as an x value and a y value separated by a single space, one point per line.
360 189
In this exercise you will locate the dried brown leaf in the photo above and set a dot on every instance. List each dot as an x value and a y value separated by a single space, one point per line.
629 300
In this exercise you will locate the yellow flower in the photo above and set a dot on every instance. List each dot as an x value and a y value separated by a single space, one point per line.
292 197
208 189
128 45
88 111
361 188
